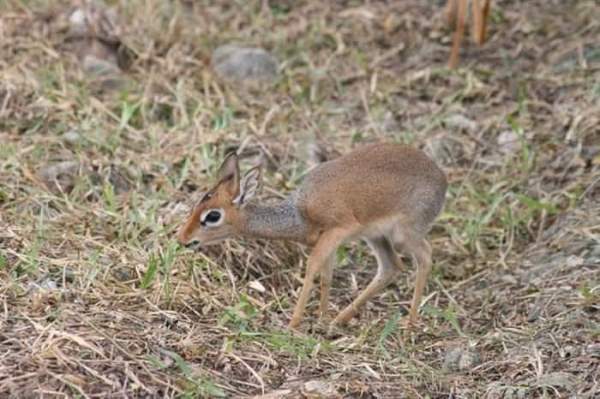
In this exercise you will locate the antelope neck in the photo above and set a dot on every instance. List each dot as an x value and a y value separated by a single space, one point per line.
278 221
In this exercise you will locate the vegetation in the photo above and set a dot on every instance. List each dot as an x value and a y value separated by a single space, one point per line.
97 299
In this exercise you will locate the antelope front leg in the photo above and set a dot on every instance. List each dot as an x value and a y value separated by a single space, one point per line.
459 33
326 277
319 257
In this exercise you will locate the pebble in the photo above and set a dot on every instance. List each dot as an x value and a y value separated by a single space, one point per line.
244 64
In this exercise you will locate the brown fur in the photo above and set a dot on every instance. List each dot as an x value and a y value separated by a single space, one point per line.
388 194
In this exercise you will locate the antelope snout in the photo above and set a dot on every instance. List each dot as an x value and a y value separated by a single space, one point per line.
191 244
184 239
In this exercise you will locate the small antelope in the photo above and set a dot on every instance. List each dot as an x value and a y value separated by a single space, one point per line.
457 12
386 194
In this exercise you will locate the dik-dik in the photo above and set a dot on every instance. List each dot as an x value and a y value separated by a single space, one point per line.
385 194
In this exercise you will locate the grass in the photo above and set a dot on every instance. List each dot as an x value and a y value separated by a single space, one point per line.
97 299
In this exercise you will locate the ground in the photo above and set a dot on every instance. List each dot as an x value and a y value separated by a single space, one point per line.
96 174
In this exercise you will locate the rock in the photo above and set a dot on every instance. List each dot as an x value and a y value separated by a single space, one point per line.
77 22
122 274
257 286
558 379
244 64
119 178
98 66
94 19
319 389
72 137
278 394
593 350
389 124
508 142
46 284
314 389
446 150
461 122
461 359
60 176
103 72
94 36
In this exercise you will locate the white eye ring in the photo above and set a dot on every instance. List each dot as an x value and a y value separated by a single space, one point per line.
205 214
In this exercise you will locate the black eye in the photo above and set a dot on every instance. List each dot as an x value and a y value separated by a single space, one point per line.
212 217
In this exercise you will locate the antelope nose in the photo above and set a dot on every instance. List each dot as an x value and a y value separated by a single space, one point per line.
183 240
192 244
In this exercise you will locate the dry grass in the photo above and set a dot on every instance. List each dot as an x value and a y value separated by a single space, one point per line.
96 299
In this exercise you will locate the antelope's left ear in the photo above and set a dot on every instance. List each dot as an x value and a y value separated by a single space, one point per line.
248 186
229 175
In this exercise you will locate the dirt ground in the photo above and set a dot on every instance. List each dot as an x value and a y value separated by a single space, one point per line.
101 160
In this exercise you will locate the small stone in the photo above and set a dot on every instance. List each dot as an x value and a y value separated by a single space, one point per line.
568 351
575 261
278 394
389 123
119 179
72 137
94 19
122 274
593 350
508 142
461 122
104 72
319 389
257 286
446 150
60 176
461 359
68 274
99 67
46 284
509 279
244 64
78 22
558 379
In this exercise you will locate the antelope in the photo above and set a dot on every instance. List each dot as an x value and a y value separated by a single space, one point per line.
386 194
456 11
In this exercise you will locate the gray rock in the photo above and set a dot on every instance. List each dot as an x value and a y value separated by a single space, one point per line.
461 359
446 150
461 122
72 137
558 379
509 142
60 176
46 284
94 19
319 389
78 22
104 72
244 64
99 67
389 124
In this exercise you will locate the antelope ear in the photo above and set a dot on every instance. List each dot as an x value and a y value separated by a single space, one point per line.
248 187
229 174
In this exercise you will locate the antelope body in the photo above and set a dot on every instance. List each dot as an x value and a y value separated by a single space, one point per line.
386 194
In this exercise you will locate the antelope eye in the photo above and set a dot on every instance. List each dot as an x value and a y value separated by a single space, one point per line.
211 218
